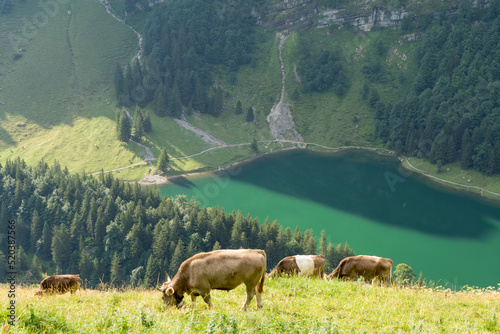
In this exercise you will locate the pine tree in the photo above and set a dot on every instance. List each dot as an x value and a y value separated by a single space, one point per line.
217 102
322 243
152 271
125 128
100 228
85 266
254 146
199 100
160 106
330 263
137 128
177 257
46 242
162 162
61 246
21 259
308 243
115 271
146 122
238 109
250 115
36 268
174 103
216 246
136 239
36 231
466 161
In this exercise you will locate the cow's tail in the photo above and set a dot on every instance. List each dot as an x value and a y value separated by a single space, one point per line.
390 275
260 286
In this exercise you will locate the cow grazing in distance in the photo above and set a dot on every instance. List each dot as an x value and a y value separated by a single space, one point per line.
303 265
59 284
220 270
371 268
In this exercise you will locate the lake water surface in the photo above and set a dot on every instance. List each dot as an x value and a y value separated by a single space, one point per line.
368 201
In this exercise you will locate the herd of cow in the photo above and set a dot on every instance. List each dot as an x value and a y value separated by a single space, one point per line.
227 269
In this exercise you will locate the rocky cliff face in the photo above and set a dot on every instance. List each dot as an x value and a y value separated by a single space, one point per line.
288 14
379 17
302 14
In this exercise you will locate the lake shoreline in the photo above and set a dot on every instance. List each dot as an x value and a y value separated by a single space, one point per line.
157 180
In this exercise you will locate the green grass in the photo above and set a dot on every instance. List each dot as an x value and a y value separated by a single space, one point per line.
291 305
60 87
469 178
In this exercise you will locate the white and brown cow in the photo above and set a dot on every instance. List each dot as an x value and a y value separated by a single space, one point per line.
371 268
220 270
59 284
303 265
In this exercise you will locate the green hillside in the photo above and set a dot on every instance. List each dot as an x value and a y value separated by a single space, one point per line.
291 305
56 81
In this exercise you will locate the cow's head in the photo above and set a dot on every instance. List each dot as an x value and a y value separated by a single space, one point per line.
169 295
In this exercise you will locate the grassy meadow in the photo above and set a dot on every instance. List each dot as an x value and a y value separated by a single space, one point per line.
291 305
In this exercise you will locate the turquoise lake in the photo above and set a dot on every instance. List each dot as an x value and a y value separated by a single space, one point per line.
369 201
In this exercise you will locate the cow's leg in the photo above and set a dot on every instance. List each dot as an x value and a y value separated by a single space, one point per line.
208 299
258 297
193 300
250 293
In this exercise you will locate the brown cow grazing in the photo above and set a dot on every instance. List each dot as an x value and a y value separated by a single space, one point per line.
371 268
59 284
220 270
303 265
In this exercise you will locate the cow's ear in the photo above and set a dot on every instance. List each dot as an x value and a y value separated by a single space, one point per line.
168 277
169 291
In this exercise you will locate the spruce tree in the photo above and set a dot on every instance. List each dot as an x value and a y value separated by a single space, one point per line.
177 257
330 263
36 268
199 100
162 162
46 244
160 106
250 115
138 129
85 266
238 109
152 271
115 270
174 103
146 122
216 246
254 146
36 231
61 246
21 259
125 128
322 243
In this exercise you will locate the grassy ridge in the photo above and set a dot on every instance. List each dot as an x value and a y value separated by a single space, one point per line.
291 305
